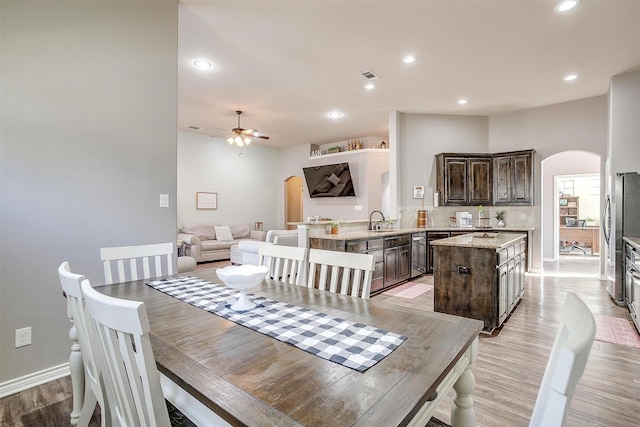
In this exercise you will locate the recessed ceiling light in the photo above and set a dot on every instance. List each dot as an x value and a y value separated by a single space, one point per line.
335 114
369 86
570 77
462 101
409 59
202 64
565 5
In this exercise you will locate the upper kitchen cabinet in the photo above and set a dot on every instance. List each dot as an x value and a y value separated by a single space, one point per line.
464 179
513 178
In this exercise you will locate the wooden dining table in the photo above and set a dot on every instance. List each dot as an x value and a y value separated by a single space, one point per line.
248 378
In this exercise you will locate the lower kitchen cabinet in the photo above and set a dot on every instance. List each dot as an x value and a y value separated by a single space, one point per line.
397 259
373 247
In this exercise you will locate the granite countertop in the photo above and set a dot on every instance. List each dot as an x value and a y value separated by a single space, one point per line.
635 241
367 234
475 240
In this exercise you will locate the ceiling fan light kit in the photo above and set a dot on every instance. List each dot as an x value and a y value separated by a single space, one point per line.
243 136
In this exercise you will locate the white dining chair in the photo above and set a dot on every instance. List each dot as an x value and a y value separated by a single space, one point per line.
123 263
566 364
341 272
129 368
86 359
285 262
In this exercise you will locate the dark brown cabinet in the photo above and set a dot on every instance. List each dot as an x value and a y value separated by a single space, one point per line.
373 247
464 179
397 259
485 179
513 178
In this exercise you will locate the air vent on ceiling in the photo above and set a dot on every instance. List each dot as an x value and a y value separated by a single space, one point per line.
195 127
370 75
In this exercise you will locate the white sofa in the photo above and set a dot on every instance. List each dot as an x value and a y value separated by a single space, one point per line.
246 251
202 243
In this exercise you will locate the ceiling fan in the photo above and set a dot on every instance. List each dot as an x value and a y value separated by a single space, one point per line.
243 136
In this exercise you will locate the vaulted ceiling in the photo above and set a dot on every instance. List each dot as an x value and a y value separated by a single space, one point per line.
286 64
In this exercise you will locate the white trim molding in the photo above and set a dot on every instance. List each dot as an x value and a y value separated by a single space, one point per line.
33 380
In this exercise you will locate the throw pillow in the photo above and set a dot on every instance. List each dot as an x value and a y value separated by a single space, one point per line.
223 233
333 179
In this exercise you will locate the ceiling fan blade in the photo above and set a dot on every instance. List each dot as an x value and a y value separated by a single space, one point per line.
254 133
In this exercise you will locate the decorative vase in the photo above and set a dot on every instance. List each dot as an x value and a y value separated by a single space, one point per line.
500 223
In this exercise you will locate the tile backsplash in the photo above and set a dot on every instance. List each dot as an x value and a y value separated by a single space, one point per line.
516 216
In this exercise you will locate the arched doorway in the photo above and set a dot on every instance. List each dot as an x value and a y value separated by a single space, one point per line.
293 201
570 178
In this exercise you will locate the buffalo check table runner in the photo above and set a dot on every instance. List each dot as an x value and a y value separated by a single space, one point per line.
350 344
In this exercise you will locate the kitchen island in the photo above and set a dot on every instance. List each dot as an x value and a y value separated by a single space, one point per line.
479 275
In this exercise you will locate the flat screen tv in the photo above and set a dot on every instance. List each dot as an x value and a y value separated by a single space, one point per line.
329 181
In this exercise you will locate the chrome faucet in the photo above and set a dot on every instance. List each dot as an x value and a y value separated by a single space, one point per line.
371 215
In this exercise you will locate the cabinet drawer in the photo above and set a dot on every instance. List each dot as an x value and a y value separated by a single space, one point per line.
375 244
511 251
405 239
503 256
357 246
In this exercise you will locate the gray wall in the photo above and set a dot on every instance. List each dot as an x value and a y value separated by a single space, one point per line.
88 114
624 142
243 177
422 137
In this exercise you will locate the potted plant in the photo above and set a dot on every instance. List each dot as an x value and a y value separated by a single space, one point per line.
333 226
590 222
500 217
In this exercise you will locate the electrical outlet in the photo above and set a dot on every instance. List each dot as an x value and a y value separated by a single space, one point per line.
358 207
23 337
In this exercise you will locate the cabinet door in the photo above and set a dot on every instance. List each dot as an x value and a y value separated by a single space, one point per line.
522 187
480 181
455 181
512 284
404 262
390 266
430 252
502 180
503 285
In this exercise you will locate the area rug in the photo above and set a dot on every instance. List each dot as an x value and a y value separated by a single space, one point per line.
409 290
616 330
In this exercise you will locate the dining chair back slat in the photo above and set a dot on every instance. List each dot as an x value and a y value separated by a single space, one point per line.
566 364
285 262
341 272
94 391
128 260
122 331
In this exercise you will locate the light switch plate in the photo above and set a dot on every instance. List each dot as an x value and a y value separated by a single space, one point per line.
164 200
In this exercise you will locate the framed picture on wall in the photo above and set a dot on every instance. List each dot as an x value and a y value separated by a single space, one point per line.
206 200
418 192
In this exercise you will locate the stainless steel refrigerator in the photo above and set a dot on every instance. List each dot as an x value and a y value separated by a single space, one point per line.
621 218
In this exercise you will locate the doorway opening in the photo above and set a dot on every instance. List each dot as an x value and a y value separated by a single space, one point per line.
571 213
293 201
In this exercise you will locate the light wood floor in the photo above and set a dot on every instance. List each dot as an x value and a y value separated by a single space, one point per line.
510 363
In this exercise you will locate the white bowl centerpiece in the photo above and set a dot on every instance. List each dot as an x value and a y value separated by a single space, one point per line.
242 277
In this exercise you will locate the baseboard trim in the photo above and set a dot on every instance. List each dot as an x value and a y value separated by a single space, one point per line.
33 380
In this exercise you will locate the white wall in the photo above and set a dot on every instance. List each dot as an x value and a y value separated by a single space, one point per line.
88 116
244 178
367 168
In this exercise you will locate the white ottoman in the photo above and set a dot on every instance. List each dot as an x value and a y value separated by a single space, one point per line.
186 263
236 255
